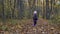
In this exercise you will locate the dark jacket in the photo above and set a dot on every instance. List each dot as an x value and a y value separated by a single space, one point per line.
35 17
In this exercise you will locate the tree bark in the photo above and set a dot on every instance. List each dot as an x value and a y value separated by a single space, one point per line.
47 10
13 10
3 16
21 9
31 7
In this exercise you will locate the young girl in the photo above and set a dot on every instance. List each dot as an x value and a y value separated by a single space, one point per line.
35 17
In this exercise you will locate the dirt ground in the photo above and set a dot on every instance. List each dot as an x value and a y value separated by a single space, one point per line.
27 27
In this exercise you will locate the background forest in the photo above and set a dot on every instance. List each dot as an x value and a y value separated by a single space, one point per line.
20 12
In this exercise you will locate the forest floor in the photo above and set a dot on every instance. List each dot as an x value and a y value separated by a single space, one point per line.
27 27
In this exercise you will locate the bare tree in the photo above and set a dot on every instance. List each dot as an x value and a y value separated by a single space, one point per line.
31 7
47 10
0 8
13 9
21 8
4 17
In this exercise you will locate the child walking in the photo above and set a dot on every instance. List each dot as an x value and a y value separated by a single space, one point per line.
35 17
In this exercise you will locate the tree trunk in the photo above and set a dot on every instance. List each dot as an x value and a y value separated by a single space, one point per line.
3 17
21 9
31 7
13 10
47 10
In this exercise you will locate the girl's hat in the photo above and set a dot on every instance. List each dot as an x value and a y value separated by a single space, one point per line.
35 12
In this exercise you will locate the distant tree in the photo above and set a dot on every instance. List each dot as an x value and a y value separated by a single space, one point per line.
47 10
13 9
43 10
3 12
31 7
21 9
0 8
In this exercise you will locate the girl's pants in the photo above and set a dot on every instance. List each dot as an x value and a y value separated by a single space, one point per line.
35 22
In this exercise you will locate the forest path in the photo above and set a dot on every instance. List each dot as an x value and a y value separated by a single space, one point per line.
42 27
